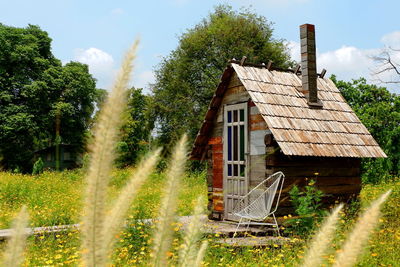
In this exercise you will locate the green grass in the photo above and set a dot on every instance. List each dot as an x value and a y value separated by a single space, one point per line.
55 198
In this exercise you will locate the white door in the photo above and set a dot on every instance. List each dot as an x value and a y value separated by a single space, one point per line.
235 156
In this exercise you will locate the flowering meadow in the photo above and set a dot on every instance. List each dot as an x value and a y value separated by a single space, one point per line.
56 199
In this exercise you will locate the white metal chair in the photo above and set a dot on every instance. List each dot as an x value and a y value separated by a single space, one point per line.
257 205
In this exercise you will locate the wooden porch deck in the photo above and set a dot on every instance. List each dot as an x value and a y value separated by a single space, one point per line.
223 230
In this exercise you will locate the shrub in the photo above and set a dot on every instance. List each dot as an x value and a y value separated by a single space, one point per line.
307 204
38 167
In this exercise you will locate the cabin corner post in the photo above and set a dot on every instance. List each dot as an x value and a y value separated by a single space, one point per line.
209 180
214 178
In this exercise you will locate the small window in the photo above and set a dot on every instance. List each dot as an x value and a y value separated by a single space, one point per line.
229 116
242 171
242 115
229 143
229 169
67 156
235 170
235 116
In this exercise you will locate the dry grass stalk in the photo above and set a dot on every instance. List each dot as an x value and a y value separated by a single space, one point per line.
164 231
187 255
121 206
102 157
201 253
322 239
13 254
359 236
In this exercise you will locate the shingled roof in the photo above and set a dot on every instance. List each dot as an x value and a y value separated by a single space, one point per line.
333 131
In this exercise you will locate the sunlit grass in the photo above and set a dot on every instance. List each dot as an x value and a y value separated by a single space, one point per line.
56 198
134 244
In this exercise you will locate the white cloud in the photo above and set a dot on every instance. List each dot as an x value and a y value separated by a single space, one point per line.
117 11
101 64
294 50
144 79
391 39
349 62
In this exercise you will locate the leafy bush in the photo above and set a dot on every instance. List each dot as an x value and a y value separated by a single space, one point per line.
38 167
307 204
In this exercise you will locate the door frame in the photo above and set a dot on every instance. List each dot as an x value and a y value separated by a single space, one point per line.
231 107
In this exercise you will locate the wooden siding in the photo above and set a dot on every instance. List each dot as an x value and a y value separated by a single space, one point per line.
258 128
338 178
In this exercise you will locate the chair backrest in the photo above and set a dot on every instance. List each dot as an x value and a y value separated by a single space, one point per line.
258 203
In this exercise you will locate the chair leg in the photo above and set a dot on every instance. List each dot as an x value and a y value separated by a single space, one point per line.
248 226
276 224
237 227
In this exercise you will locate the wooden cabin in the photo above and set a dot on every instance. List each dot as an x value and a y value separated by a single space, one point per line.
262 120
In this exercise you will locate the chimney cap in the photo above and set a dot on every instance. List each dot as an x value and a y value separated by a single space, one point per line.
310 27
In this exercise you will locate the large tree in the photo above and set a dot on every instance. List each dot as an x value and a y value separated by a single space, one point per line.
36 91
379 110
187 78
136 129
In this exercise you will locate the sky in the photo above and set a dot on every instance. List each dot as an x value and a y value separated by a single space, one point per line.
348 33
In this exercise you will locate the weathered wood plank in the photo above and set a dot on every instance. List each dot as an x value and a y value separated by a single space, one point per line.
281 160
309 172
256 169
324 181
264 241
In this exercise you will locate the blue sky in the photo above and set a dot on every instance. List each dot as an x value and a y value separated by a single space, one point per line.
98 32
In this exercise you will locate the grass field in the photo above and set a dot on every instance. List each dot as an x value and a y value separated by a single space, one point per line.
55 198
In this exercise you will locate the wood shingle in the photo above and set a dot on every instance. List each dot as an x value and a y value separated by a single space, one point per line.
333 131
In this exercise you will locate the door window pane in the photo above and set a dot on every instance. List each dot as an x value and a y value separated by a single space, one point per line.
242 170
235 116
235 143
229 116
67 156
229 143
241 142
242 115
235 170
229 169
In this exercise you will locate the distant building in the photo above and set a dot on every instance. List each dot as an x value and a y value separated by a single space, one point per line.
69 158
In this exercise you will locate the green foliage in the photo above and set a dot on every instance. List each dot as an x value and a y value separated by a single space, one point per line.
187 78
135 131
379 110
38 166
307 204
35 89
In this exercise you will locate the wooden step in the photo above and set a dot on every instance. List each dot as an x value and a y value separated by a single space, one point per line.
254 241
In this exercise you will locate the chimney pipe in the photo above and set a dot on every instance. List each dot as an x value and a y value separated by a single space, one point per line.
309 65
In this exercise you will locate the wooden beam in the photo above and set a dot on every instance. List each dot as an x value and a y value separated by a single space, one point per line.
322 74
269 64
243 60
297 68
